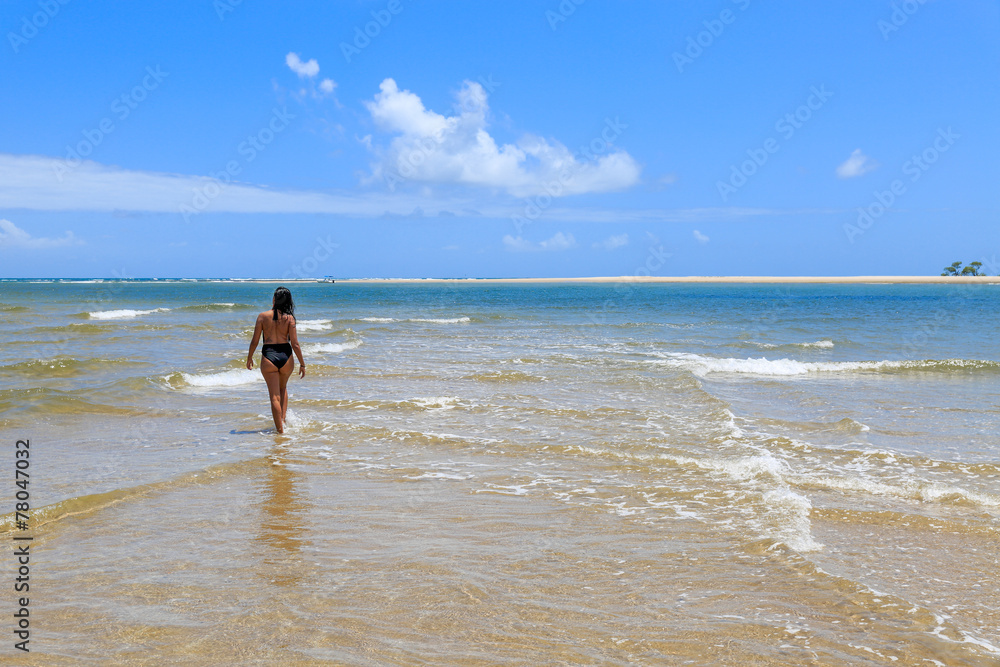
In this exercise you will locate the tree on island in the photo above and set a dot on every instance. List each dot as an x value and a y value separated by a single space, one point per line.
956 269
973 269
952 270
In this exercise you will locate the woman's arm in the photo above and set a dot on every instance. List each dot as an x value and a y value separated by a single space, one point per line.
258 327
293 338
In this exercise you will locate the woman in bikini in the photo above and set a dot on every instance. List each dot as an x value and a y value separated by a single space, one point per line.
276 364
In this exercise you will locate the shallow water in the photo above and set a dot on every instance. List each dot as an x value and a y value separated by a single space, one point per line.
523 474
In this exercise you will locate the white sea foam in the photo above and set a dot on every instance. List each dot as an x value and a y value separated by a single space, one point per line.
330 348
746 467
910 489
314 325
785 514
440 475
436 402
702 365
966 638
445 320
734 430
508 490
793 525
233 378
782 514
297 422
122 314
821 344
432 320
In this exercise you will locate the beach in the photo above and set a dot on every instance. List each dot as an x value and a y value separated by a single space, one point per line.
623 470
762 280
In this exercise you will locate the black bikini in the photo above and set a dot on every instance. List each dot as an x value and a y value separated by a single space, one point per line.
277 353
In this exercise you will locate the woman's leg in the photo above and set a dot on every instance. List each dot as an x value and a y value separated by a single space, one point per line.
285 373
272 376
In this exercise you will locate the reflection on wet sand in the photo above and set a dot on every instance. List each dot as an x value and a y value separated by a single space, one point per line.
283 512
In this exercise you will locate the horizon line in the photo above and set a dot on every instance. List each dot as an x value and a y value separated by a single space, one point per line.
893 279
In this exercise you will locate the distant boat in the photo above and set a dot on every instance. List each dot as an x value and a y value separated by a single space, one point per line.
328 279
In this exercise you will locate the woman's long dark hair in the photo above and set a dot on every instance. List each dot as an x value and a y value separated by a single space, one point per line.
283 302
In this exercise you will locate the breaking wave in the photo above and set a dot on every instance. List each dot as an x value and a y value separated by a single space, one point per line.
701 365
123 314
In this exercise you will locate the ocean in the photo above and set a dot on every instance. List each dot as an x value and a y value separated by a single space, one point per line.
614 474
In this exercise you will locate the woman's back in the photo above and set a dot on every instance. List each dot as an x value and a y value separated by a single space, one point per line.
275 331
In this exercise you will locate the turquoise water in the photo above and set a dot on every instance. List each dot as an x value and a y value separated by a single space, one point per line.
817 465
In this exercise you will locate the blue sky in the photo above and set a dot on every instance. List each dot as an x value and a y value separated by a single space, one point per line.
456 139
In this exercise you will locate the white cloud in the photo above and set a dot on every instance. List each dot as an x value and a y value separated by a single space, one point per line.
517 244
701 238
303 69
31 182
856 165
433 148
307 70
12 236
613 242
558 242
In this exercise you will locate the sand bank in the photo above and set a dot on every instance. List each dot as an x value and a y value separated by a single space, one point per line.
701 279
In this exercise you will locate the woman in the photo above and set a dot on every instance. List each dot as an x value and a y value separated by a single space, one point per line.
280 339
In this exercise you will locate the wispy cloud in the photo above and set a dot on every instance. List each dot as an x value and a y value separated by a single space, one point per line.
12 236
856 165
699 237
558 242
664 182
30 182
433 148
613 242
